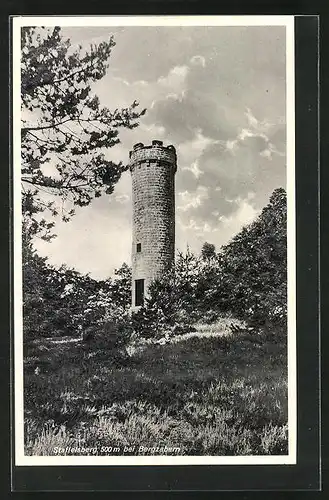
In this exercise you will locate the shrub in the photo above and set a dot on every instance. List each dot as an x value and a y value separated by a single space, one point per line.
254 266
109 340
149 321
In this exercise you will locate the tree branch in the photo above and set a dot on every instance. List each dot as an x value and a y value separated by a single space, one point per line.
54 125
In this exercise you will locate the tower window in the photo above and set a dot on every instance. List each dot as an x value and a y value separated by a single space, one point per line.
139 292
139 247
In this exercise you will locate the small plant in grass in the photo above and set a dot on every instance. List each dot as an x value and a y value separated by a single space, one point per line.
46 442
274 439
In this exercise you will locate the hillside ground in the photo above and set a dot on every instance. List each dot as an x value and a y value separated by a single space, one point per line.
216 392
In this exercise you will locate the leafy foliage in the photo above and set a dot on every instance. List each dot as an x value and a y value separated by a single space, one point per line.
174 301
254 266
65 130
62 301
246 278
208 250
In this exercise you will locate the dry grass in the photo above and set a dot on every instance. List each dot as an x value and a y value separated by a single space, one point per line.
211 394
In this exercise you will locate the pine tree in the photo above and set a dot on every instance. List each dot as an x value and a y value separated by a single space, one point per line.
65 130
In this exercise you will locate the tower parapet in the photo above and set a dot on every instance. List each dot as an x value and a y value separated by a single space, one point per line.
155 152
153 199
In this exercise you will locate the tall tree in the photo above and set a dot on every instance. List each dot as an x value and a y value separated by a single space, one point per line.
254 265
64 129
208 251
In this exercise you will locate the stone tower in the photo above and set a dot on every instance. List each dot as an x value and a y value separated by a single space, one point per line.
153 200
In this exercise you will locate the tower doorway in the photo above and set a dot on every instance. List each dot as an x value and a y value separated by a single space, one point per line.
139 292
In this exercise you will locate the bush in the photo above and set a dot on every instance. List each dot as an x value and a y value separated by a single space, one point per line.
111 338
254 267
149 321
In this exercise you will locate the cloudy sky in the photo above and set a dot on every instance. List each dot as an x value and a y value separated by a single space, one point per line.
218 95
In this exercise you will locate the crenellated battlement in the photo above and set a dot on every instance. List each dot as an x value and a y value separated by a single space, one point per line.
154 153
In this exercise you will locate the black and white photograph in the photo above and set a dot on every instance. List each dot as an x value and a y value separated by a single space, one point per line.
154 229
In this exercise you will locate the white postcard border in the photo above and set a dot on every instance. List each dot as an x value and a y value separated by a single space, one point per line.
288 21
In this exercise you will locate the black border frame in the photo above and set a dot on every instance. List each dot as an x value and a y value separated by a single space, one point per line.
306 474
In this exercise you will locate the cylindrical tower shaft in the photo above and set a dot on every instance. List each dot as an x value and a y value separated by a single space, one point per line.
153 203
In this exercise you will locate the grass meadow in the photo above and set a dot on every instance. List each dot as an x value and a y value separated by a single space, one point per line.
218 391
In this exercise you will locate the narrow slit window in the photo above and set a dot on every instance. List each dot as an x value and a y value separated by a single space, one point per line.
139 247
139 292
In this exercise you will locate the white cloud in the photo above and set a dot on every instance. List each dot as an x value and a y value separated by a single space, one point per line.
196 232
271 150
194 168
198 60
200 227
267 153
255 124
230 145
142 83
192 200
122 91
245 214
147 132
196 145
252 120
246 133
189 153
175 79
256 129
